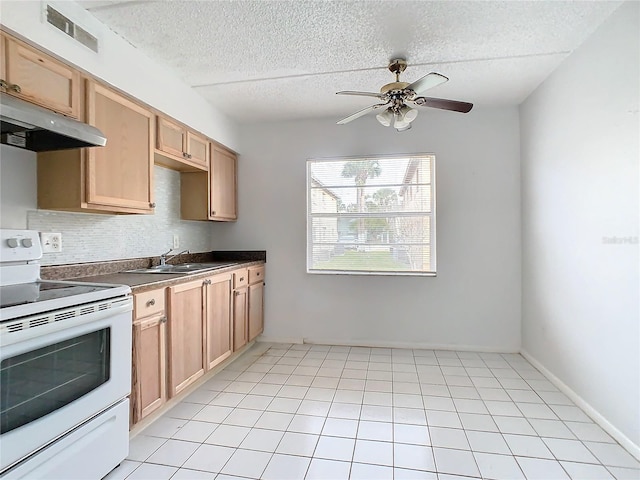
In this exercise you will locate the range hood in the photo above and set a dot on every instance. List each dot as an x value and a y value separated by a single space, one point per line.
34 128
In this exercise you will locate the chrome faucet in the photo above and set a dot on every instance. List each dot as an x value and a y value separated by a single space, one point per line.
164 258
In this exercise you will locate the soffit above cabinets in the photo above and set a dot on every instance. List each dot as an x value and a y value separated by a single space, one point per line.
284 60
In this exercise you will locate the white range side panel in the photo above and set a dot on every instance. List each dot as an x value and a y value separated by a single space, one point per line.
580 210
473 302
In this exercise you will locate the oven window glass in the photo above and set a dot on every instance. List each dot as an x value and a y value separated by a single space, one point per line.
36 383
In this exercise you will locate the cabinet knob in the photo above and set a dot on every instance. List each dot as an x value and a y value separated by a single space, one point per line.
242 279
213 212
206 282
16 88
3 84
152 205
163 320
189 155
151 302
184 155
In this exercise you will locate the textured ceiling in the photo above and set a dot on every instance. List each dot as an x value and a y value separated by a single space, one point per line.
285 59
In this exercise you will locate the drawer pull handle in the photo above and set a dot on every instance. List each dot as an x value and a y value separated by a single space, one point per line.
151 302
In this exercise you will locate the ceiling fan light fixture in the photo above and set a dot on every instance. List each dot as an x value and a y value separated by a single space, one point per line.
385 118
405 116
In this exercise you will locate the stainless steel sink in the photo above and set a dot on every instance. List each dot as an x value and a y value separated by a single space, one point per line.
183 268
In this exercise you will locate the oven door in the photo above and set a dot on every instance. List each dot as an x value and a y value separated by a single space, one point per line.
59 374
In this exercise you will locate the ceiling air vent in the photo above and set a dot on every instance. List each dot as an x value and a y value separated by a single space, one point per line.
75 31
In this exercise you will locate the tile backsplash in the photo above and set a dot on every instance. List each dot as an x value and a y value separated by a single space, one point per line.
90 237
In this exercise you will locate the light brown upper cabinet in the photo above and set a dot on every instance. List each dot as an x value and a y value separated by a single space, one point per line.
117 178
37 78
211 196
222 184
179 148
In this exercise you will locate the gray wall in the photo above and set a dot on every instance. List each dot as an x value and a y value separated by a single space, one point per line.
580 171
474 302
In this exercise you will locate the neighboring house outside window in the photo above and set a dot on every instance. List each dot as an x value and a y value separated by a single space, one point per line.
371 215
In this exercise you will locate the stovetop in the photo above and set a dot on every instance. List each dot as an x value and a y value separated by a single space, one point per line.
38 297
22 293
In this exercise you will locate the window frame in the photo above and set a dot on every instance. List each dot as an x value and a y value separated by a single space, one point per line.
432 216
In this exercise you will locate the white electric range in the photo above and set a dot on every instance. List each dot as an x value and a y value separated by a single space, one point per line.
65 369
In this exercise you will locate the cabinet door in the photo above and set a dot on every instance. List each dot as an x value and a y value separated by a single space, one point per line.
256 310
197 149
149 363
222 185
218 309
239 318
119 175
171 137
186 327
40 79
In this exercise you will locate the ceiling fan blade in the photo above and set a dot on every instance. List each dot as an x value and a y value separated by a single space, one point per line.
430 80
360 113
364 94
441 103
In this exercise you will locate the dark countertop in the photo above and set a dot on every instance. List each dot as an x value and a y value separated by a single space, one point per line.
115 271
141 282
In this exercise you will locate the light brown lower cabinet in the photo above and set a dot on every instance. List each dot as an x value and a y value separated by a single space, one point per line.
219 343
248 305
186 335
255 302
149 366
149 360
204 321
240 333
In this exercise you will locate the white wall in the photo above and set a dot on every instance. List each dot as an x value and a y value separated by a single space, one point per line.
579 134
17 186
119 64
475 299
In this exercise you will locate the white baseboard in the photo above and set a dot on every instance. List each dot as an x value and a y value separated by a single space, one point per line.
385 344
596 416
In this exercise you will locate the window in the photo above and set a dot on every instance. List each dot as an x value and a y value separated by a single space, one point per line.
371 215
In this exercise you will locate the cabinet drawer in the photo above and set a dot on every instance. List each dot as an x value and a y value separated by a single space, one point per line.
240 278
148 303
256 274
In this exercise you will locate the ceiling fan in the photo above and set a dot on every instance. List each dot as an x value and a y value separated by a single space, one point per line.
396 95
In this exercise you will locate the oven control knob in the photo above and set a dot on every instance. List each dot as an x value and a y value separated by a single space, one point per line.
27 242
12 243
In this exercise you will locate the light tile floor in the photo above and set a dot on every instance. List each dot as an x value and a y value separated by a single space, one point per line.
332 412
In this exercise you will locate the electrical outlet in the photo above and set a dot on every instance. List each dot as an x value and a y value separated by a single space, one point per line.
176 240
51 242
